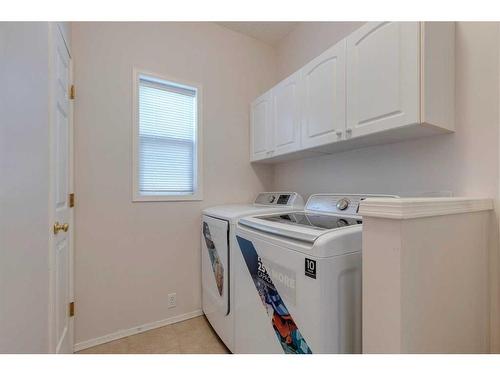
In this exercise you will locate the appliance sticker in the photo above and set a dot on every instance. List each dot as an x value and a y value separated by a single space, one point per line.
282 322
310 268
217 266
283 277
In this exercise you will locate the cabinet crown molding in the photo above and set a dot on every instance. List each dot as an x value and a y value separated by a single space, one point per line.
412 208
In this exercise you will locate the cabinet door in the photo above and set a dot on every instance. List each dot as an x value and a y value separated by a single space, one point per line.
323 113
261 128
286 111
382 77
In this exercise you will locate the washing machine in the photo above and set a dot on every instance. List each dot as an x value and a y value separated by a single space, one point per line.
298 279
218 243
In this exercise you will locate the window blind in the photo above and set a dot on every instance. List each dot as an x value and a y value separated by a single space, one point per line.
167 137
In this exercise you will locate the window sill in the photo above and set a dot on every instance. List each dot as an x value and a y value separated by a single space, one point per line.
167 198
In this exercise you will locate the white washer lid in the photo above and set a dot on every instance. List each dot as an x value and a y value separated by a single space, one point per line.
301 233
330 243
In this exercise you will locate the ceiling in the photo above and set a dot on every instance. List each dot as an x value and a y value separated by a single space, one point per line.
268 32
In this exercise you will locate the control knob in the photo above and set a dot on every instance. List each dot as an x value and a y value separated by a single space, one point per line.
343 204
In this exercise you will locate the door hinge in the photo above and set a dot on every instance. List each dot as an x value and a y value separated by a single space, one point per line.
72 92
71 200
72 309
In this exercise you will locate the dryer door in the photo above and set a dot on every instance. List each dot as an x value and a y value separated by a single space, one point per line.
215 267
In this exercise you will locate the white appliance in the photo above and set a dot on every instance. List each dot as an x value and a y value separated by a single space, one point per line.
218 243
298 279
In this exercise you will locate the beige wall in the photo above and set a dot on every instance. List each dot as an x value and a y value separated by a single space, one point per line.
130 256
465 163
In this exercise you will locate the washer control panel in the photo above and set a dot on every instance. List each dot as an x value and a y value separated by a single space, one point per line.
347 204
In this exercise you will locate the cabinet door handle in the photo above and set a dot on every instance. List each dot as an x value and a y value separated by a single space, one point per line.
348 130
339 133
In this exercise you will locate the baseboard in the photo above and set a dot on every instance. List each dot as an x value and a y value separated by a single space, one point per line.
132 331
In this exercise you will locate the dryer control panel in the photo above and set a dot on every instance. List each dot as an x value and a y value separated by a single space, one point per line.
279 198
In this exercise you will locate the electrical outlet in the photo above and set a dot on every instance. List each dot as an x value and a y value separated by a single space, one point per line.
172 300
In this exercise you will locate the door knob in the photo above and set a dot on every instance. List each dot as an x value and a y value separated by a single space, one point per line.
60 227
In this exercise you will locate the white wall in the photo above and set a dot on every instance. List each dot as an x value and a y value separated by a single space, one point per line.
24 188
465 163
130 256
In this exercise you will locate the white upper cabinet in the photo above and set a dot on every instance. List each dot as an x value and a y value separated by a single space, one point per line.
382 77
323 112
286 115
385 82
261 128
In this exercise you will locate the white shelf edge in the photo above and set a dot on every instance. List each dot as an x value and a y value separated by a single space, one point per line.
412 208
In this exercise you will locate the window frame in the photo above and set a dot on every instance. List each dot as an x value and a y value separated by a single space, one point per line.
137 196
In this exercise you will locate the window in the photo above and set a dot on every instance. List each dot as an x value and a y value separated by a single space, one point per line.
166 140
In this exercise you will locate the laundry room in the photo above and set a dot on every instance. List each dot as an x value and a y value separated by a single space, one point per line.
276 185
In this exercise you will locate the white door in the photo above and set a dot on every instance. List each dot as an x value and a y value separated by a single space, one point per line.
323 113
61 160
382 77
286 115
261 128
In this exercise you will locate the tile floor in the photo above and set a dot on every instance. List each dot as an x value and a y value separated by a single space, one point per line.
193 336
